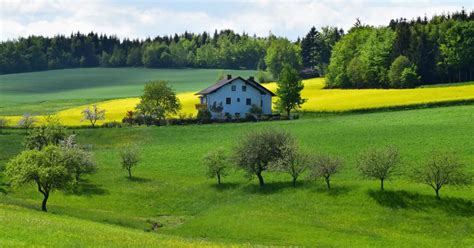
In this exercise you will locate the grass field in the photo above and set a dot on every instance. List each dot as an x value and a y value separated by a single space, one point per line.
24 227
170 187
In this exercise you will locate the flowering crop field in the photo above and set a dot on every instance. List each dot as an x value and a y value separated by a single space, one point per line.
318 100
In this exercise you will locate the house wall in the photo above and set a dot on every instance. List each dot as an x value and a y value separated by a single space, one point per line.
264 101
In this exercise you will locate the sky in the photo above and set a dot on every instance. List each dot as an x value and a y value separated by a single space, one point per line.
146 18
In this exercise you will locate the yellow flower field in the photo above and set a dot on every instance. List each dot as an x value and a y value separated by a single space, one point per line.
319 99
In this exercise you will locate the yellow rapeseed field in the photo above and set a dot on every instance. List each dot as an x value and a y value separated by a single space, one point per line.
318 99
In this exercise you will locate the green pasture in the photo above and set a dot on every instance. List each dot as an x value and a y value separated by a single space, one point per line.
170 187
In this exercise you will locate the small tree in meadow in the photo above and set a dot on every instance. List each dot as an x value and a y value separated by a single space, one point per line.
292 161
443 168
216 162
258 149
27 121
324 166
130 157
93 114
378 163
3 123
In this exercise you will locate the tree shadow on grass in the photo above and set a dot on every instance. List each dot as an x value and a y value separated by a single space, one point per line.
406 200
139 179
86 188
271 187
335 190
224 186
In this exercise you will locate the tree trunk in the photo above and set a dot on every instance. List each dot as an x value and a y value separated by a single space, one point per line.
219 179
260 179
381 184
45 200
437 193
327 183
130 173
288 113
294 181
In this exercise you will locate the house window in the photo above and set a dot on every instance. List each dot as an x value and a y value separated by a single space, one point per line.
244 88
238 99
227 100
233 87
248 101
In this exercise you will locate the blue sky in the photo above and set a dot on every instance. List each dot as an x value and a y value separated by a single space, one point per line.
141 19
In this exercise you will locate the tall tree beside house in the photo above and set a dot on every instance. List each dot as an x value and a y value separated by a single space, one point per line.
158 101
289 90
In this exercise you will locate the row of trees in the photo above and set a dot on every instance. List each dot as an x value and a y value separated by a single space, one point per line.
224 49
278 151
405 53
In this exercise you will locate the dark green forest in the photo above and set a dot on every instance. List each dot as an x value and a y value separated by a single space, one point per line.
405 53
402 54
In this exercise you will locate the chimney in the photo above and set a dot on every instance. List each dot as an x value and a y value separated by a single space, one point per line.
229 76
251 78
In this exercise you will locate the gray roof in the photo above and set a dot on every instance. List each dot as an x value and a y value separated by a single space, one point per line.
223 82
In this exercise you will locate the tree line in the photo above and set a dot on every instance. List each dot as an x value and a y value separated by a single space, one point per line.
405 53
223 49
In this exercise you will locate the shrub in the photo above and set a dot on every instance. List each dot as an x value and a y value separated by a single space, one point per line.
3 123
256 111
396 69
409 78
204 115
378 163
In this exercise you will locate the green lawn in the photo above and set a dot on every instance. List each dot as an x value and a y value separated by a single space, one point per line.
50 91
170 186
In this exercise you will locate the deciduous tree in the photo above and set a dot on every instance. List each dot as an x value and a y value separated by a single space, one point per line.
258 149
442 168
217 164
129 155
324 166
93 115
378 163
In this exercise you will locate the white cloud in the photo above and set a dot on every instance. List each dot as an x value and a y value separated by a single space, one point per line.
285 18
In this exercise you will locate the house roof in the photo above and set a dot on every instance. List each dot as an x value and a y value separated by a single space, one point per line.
224 82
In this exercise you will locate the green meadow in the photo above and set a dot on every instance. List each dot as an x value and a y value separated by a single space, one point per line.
170 188
50 91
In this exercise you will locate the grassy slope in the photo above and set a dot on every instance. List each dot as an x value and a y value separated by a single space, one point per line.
170 186
29 89
23 227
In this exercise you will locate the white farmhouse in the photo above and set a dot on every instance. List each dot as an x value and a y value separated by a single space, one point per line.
235 96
